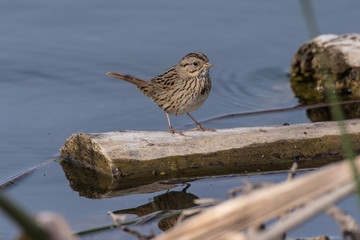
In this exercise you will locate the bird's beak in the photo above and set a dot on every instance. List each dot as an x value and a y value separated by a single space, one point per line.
209 65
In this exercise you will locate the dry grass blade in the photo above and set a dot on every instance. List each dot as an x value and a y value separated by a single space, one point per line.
207 201
304 213
188 213
117 218
262 205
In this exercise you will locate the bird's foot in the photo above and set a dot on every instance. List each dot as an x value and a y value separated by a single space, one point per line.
201 128
173 131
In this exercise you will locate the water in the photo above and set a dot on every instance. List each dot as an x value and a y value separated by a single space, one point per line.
54 56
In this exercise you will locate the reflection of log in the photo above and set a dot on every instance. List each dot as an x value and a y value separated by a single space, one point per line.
339 54
96 184
351 111
135 155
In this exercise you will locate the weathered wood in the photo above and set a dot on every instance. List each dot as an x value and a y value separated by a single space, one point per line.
160 155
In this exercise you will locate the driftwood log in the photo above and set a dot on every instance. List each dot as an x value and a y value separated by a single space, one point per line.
161 155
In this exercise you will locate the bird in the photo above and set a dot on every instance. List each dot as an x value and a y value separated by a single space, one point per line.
181 89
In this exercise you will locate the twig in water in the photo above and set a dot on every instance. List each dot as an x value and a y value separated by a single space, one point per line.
295 108
20 176
292 171
347 224
118 222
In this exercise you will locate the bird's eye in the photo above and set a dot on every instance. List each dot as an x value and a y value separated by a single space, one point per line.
195 63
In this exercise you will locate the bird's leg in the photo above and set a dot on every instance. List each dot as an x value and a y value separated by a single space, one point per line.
198 126
171 129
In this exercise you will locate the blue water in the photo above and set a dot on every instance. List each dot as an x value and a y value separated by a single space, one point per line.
54 56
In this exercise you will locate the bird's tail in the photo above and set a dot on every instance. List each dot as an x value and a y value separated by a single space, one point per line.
131 79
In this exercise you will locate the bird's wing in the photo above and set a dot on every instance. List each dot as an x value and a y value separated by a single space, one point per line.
166 80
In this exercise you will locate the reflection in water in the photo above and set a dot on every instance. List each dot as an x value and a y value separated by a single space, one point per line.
174 200
309 94
351 111
86 181
96 185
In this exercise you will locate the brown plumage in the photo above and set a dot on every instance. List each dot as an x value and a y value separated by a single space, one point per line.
181 89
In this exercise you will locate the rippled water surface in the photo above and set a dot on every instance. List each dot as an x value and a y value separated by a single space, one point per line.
54 56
